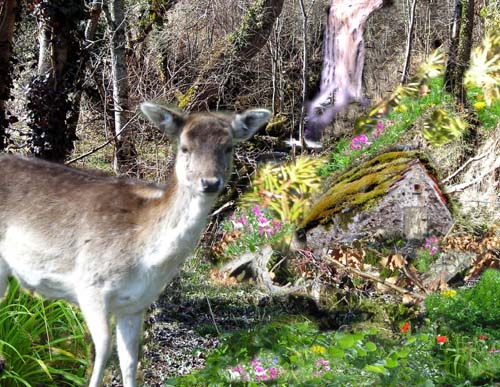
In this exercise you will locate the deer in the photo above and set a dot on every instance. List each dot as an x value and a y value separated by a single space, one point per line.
109 244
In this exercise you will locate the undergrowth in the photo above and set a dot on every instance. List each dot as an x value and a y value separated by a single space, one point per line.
41 343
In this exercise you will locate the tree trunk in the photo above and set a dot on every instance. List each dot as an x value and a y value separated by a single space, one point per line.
8 11
51 107
460 49
449 78
234 49
409 41
125 161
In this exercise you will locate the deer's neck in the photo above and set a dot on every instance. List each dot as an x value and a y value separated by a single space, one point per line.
179 218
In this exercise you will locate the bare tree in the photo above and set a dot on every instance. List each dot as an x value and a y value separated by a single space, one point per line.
8 11
125 161
240 45
409 41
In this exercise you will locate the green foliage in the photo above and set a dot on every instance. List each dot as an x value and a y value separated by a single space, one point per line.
285 190
491 15
399 119
484 71
41 343
471 311
442 127
489 115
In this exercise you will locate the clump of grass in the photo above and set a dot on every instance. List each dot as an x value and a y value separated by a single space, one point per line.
41 343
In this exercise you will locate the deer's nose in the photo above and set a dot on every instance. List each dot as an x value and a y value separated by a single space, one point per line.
211 185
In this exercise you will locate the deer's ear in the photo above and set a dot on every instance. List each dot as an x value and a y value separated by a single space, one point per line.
168 120
246 124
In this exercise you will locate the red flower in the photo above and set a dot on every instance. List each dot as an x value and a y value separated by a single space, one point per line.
441 339
405 327
482 338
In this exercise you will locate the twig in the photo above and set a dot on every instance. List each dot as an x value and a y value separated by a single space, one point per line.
471 160
462 186
374 278
212 315
99 147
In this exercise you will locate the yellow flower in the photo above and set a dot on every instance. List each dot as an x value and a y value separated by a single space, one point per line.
479 105
401 108
449 293
318 349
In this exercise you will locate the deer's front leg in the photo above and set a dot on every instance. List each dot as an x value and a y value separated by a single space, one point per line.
128 328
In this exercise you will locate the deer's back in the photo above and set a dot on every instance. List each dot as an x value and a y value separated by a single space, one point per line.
56 221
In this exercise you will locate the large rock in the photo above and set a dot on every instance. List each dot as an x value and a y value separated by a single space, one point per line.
393 194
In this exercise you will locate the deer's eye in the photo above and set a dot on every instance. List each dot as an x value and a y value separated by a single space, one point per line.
184 149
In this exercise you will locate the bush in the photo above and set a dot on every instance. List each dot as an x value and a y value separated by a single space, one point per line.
470 311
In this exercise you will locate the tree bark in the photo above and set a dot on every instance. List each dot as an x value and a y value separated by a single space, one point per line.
234 49
53 124
125 160
8 11
449 78
460 49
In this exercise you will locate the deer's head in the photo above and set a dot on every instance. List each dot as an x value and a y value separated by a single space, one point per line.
205 143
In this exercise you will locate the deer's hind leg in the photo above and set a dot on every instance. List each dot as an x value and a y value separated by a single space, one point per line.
95 312
128 329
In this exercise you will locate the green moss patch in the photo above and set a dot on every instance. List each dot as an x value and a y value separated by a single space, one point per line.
360 187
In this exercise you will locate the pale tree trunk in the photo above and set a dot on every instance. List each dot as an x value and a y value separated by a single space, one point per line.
8 12
125 161
409 41
343 61
237 47
53 123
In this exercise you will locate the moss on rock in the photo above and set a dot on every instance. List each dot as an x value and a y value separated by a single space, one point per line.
361 187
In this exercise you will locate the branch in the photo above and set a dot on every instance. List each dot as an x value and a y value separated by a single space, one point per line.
99 147
462 186
471 160
374 278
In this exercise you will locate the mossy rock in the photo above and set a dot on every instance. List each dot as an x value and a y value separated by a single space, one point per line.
362 186
394 193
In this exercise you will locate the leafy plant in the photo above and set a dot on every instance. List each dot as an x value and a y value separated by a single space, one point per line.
285 190
442 127
484 71
471 311
41 343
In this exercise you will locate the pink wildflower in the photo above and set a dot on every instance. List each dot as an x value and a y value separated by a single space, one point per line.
257 211
360 141
379 129
273 373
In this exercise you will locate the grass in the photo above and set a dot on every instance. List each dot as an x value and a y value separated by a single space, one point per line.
399 120
293 351
41 343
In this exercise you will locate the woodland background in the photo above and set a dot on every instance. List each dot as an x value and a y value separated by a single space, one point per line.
376 312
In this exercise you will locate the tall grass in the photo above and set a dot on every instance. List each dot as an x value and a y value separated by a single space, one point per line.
41 343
